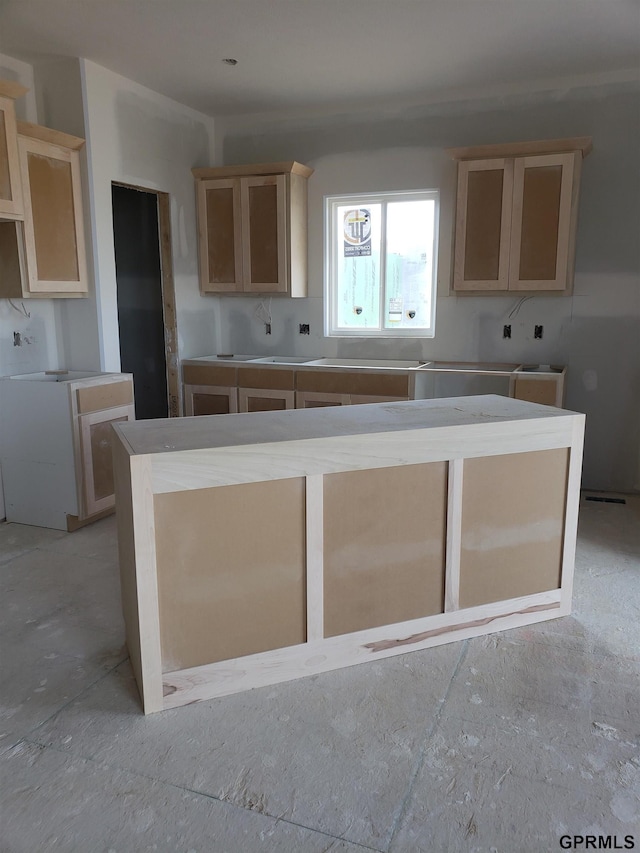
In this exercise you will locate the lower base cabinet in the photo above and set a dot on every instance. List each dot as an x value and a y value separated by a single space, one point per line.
401 526
57 469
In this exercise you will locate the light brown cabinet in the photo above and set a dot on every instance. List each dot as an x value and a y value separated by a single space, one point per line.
11 206
44 256
516 216
209 389
252 229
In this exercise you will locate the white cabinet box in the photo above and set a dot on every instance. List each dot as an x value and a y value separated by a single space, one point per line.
55 445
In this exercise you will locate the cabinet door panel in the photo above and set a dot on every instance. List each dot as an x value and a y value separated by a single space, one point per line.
97 462
384 546
543 222
53 227
209 400
265 234
483 223
219 222
512 525
231 571
11 204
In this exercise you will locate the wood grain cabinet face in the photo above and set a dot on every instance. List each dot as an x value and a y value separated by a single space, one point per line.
485 189
209 400
98 490
243 235
544 220
252 229
53 226
516 222
11 206
96 407
220 236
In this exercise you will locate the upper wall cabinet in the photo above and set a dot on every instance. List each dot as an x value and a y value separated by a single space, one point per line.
516 216
252 229
11 206
45 256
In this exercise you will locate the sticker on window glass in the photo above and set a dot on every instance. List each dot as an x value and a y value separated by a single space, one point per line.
357 233
395 310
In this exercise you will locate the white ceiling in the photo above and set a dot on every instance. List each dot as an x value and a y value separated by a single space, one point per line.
295 54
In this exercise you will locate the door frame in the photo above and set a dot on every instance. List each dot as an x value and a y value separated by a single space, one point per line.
167 283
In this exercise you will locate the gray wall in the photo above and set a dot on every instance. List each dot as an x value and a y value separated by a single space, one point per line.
595 332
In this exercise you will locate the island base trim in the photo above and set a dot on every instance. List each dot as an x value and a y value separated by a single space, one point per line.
211 681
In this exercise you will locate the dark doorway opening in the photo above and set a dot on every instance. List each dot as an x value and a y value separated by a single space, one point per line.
146 310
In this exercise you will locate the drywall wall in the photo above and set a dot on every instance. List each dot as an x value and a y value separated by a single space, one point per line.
137 137
596 332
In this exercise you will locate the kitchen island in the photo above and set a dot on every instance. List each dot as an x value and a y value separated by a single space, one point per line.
259 548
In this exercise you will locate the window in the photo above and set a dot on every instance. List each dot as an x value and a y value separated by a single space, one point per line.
381 264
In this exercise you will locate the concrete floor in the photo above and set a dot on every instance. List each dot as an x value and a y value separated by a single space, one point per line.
502 743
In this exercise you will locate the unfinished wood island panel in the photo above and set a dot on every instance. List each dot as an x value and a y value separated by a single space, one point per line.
259 548
516 216
252 228
11 205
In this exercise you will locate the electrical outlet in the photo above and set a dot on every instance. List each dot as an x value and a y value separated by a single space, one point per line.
267 328
537 332
506 331
304 328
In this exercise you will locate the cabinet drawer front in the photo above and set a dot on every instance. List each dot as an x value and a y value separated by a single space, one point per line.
106 396
265 377
208 374
337 382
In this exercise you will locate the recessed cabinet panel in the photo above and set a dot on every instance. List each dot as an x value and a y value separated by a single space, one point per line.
512 535
231 571
383 562
52 210
540 220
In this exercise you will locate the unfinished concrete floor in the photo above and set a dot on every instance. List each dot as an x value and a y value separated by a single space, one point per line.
504 743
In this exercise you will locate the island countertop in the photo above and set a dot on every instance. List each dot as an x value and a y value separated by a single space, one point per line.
196 433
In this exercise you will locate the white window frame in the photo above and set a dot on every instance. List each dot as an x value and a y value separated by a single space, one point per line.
331 260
